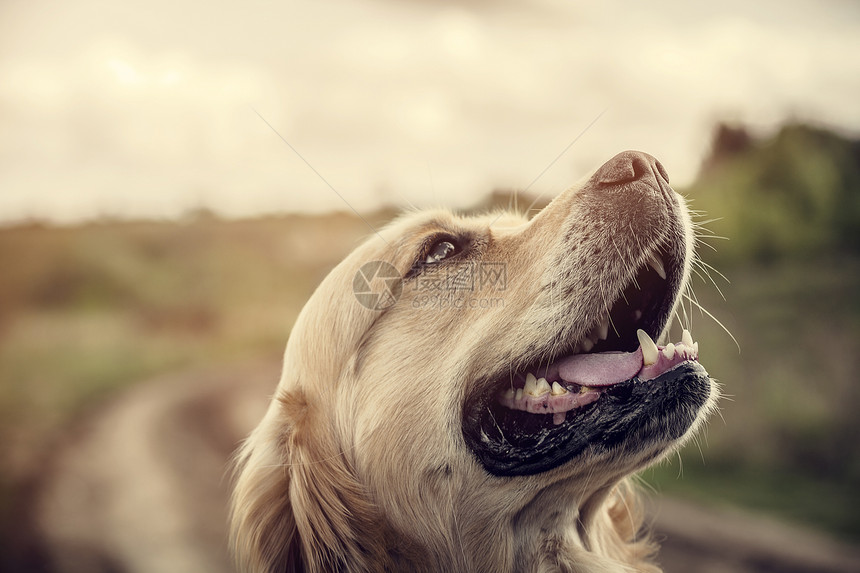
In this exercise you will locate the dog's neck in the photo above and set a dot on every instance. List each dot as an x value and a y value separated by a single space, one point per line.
564 529
547 534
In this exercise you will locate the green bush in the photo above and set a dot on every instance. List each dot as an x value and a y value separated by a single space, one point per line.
795 195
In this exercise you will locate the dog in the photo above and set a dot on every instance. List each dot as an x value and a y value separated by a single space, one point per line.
471 394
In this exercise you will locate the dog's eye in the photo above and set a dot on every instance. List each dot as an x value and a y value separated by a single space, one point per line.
439 251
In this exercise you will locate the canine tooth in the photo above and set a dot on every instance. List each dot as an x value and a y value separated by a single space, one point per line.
531 384
603 333
649 349
687 338
558 389
543 387
657 264
669 351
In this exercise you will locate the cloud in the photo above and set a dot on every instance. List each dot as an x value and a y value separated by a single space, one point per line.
150 110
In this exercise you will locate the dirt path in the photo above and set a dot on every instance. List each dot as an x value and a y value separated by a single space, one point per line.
710 540
142 488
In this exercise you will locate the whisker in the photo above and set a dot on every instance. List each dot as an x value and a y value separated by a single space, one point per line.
709 245
714 318
710 268
709 277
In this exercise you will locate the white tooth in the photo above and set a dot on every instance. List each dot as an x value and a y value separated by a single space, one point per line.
531 384
669 351
687 338
696 348
558 389
604 330
509 394
519 395
637 315
657 264
587 344
649 349
543 387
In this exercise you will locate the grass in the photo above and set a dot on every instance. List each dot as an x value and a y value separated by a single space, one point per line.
88 311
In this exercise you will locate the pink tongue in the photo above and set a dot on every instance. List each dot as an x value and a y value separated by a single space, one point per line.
602 369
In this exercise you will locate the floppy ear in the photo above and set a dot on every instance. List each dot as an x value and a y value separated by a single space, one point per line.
263 533
297 505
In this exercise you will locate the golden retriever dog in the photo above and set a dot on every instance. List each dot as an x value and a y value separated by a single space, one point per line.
472 393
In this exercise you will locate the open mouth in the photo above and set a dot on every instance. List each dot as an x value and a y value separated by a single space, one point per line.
613 386
578 380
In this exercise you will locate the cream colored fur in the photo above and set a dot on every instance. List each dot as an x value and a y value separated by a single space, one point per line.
359 463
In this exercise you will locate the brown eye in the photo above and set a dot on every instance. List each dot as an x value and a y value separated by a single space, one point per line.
439 251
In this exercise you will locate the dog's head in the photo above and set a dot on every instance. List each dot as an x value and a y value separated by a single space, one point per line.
466 393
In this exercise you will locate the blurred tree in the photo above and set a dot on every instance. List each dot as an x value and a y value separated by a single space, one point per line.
727 143
794 195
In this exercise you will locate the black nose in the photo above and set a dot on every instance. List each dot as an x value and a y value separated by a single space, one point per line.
629 166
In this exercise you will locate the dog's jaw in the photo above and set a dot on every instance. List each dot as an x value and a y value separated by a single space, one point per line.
625 218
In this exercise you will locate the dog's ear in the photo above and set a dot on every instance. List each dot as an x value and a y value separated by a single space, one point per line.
263 532
621 529
297 505
336 525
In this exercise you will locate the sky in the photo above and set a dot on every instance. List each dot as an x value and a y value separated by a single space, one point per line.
157 108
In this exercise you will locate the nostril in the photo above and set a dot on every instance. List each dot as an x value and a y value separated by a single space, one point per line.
640 167
619 169
627 167
662 171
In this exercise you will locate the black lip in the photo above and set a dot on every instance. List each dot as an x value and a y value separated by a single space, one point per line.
629 416
519 443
